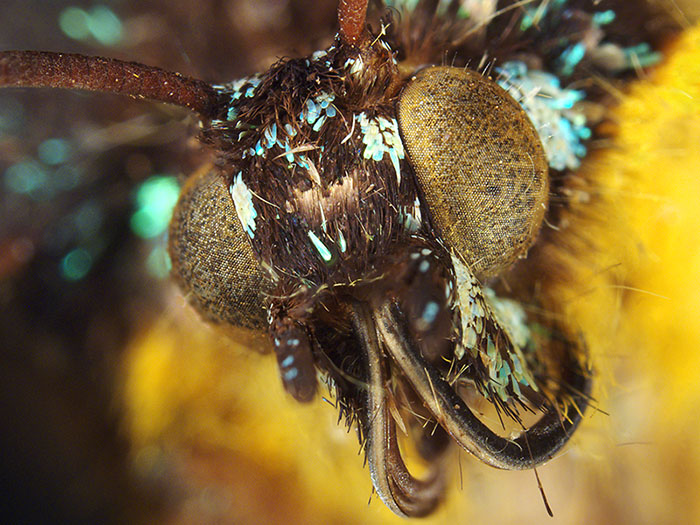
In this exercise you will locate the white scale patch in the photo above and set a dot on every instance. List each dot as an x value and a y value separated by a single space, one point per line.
510 315
243 201
474 307
411 217
470 307
355 65
381 136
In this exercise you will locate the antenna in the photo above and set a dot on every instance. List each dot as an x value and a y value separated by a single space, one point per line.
73 71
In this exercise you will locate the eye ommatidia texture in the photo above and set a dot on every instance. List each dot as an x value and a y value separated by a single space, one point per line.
212 259
480 164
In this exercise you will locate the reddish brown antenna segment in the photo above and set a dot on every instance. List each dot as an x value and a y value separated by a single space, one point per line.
351 19
72 71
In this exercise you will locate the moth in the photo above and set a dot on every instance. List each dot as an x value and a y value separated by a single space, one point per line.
370 201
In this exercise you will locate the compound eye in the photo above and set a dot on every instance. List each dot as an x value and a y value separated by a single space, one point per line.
480 164
212 259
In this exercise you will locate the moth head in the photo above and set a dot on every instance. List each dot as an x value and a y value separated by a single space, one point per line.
317 234
479 162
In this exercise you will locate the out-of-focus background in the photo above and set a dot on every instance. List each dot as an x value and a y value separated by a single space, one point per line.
118 405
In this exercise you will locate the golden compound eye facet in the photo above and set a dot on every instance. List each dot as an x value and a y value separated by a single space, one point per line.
480 164
212 258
